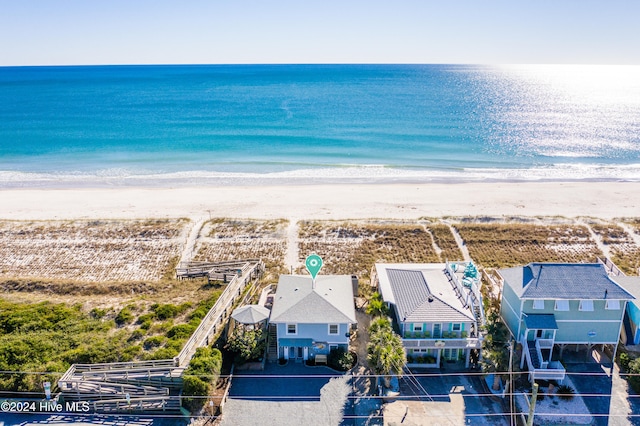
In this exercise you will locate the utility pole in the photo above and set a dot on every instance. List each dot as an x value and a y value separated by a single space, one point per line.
532 404
511 413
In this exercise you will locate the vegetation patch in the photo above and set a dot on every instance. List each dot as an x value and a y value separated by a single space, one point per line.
90 251
504 245
248 345
354 247
45 338
204 370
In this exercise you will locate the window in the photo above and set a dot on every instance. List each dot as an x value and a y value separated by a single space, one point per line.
417 327
292 329
613 305
333 329
562 305
456 327
586 305
538 304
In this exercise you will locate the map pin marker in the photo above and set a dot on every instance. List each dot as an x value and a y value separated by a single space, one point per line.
313 264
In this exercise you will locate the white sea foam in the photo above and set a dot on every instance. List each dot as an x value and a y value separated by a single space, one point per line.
345 174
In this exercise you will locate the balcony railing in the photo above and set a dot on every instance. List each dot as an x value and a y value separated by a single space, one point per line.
554 371
544 343
439 343
441 335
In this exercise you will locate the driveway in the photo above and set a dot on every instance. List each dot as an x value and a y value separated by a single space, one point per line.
290 394
433 397
291 382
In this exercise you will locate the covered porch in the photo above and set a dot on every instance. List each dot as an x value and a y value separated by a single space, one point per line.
537 342
427 353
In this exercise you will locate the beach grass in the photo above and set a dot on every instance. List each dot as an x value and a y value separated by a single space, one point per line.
354 247
91 251
499 245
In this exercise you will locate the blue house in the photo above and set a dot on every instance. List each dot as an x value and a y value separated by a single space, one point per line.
555 305
311 318
631 330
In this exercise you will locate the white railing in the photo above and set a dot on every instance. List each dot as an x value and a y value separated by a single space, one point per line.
544 344
611 267
462 343
549 370
470 294
216 314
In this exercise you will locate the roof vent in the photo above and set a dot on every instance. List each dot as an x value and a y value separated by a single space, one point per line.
295 289
430 299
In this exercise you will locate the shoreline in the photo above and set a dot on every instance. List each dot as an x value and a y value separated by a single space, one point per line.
601 199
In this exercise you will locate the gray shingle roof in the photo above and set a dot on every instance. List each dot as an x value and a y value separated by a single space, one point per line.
330 302
416 302
573 281
250 314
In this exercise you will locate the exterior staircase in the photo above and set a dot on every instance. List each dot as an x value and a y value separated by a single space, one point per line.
533 354
272 342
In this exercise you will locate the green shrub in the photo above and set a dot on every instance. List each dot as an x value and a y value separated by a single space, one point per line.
181 331
136 335
163 353
193 386
634 374
167 311
124 317
340 359
247 344
206 364
153 342
624 361
98 313
146 324
146 318
565 392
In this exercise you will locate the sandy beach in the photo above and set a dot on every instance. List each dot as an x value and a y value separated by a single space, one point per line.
399 201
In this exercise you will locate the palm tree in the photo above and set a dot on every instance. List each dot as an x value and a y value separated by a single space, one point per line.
495 352
386 354
376 307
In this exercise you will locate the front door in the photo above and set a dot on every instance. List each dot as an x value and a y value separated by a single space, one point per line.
437 330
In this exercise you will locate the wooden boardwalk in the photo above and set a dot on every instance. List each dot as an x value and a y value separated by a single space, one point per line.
155 385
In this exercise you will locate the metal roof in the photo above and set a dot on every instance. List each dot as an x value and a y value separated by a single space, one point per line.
421 293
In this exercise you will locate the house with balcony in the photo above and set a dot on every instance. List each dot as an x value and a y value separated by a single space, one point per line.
550 306
437 308
311 317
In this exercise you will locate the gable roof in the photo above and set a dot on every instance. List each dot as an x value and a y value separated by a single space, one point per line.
331 301
572 281
421 293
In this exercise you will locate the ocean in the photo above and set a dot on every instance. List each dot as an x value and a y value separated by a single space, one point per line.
78 126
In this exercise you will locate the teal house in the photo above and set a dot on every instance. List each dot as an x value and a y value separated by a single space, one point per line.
550 306
436 307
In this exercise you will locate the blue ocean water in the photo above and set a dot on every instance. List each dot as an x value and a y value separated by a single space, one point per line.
263 124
